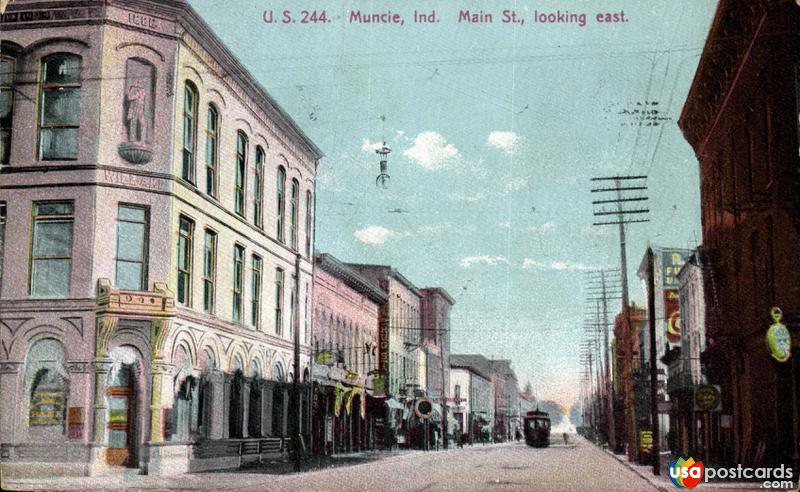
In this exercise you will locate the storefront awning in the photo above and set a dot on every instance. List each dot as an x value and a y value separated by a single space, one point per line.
394 404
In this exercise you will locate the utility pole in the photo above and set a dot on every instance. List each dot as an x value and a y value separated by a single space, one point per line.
296 393
621 193
651 309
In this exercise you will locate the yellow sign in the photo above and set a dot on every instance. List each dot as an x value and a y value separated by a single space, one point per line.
779 340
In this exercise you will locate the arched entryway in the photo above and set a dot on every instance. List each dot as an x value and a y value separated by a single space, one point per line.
123 407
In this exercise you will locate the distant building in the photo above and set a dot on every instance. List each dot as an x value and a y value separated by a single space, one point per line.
506 392
435 313
472 403
345 342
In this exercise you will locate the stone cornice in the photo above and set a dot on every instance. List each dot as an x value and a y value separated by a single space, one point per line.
351 278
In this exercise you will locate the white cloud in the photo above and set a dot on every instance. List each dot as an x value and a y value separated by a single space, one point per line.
463 197
367 146
484 260
374 235
529 263
516 184
431 151
505 141
504 225
541 229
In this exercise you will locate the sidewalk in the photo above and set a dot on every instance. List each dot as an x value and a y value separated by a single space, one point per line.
243 478
662 482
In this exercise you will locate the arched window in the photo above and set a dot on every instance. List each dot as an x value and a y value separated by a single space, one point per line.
205 393
280 186
294 207
190 100
258 189
254 407
47 384
59 104
235 404
212 151
185 399
241 170
277 401
7 71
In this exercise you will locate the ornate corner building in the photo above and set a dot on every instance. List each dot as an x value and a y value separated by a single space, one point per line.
156 232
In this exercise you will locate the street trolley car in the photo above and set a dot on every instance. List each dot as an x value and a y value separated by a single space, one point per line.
537 429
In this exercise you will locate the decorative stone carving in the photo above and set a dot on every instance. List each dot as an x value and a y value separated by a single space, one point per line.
79 367
138 112
10 367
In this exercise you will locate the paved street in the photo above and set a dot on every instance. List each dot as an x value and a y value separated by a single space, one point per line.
512 466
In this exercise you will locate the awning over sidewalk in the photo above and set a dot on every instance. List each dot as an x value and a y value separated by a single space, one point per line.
394 404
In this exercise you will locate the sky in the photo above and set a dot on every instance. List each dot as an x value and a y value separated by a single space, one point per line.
495 130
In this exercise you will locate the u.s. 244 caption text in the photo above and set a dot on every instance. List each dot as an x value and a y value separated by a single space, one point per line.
465 16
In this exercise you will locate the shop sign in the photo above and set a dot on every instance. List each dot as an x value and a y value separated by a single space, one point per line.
672 315
645 441
707 398
779 340
329 429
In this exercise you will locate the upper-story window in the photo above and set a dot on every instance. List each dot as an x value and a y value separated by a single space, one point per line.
279 301
258 189
309 222
241 169
189 131
212 151
293 209
6 106
2 236
131 259
183 293
59 102
457 393
51 252
238 281
280 186
209 270
255 292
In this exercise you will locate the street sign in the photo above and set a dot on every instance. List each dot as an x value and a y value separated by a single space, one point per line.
707 398
423 407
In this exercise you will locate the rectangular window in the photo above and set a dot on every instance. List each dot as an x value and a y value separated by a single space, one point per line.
292 300
183 293
6 107
241 169
51 251
2 237
209 270
212 151
309 222
255 292
279 302
280 202
294 205
131 258
59 102
238 281
189 131
258 189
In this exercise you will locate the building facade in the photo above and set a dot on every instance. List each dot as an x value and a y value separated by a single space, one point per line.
473 405
506 394
435 307
157 251
345 343
741 119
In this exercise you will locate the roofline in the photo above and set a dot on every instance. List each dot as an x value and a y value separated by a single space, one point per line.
353 279
392 272
440 291
197 27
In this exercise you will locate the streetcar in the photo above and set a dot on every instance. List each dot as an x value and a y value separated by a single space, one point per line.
537 429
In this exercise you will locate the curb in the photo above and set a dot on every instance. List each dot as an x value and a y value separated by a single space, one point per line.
651 479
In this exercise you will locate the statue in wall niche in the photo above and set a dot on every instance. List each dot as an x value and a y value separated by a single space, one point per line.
136 99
